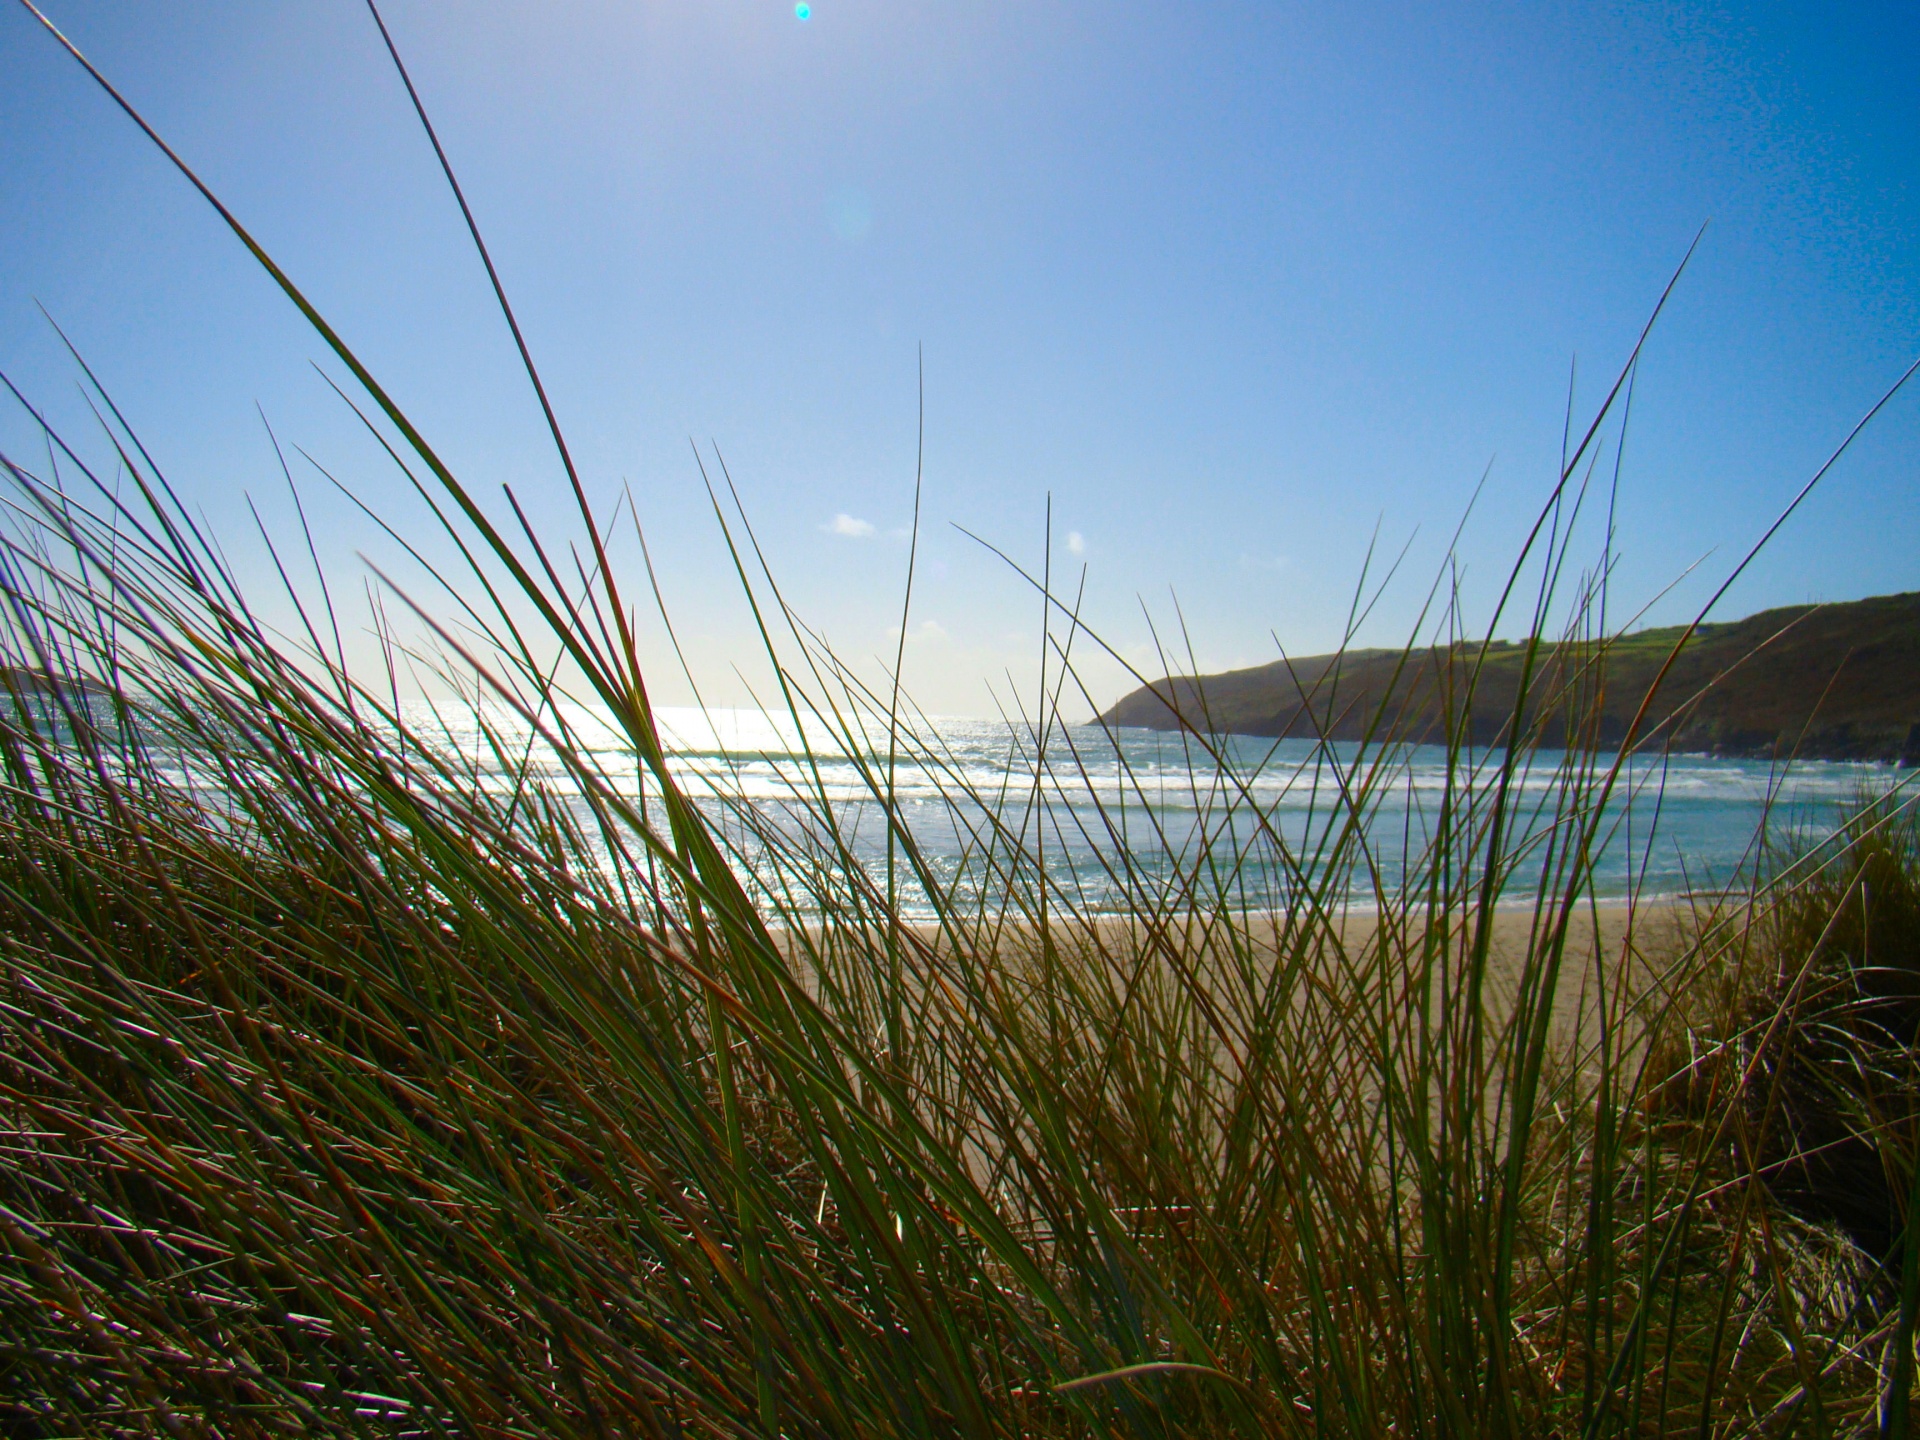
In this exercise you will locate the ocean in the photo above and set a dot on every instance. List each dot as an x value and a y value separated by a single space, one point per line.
1118 818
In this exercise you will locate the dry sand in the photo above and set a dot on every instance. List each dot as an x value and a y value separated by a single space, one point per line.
1634 947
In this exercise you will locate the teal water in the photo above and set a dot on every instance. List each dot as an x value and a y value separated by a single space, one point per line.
1121 819
1117 816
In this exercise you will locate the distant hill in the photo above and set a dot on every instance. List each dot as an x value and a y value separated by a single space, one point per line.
1837 682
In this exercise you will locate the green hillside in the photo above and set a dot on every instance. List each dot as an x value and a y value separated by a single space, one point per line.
1835 682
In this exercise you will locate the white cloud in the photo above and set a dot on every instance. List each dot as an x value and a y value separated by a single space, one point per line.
925 630
1076 543
847 525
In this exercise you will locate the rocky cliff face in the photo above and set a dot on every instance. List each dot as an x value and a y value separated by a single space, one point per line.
1837 682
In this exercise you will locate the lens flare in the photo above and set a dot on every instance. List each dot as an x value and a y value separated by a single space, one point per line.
803 11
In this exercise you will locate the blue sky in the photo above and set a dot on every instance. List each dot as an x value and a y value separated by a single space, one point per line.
1236 283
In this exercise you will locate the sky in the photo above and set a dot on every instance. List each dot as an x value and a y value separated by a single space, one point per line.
1231 292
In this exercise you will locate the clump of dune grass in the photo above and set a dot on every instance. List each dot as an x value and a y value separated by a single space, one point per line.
1804 1035
355 1083
1845 951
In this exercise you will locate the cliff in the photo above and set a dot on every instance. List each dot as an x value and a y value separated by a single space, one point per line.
1838 682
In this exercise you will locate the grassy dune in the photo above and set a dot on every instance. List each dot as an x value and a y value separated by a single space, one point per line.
344 1090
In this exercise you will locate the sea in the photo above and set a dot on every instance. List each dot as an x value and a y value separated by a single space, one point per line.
1116 815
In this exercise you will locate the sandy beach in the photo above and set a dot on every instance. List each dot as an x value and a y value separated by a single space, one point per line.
1633 949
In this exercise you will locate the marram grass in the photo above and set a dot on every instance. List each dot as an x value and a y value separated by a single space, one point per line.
345 1089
